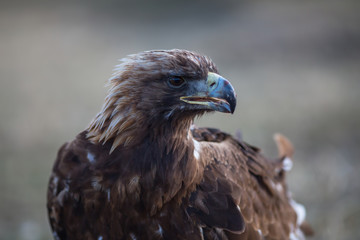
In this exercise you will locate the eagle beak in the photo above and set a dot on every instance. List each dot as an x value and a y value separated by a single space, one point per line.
218 95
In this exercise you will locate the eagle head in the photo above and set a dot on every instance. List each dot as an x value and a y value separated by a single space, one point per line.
158 87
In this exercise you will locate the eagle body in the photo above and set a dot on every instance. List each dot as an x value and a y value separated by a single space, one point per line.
141 170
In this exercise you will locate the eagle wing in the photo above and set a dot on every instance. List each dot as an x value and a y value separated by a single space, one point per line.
76 193
242 195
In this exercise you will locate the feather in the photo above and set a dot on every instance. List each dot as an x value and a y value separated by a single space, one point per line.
284 145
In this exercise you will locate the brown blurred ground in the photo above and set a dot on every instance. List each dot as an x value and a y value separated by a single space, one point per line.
295 66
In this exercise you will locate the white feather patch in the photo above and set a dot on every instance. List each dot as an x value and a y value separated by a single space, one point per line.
108 194
159 231
95 183
277 186
287 164
296 234
55 182
300 211
197 149
133 237
91 157
55 235
201 233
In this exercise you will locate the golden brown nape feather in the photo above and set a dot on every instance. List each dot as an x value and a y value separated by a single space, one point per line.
130 108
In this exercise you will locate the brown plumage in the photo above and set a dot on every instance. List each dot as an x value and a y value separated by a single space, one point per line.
141 170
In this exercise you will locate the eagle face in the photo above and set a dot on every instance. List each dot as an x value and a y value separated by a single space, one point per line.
175 82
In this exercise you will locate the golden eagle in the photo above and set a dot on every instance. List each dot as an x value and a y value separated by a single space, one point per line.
141 170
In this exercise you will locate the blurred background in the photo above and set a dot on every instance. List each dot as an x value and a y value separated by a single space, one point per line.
295 66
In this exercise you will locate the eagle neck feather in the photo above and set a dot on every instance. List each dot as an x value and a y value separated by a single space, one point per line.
172 151
159 152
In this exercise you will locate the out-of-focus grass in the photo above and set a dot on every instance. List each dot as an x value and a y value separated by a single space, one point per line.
295 67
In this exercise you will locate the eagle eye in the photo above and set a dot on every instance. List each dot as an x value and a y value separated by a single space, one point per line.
176 82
